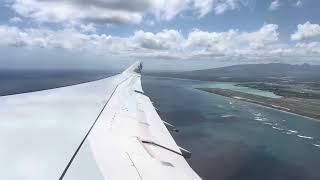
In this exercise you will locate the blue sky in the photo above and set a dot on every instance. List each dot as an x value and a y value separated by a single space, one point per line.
165 34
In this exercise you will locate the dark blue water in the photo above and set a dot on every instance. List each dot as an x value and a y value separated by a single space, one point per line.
229 139
236 140
20 81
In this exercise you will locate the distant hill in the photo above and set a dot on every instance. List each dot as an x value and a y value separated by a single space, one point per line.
254 72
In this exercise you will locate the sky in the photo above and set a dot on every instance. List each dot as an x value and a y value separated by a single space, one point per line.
164 34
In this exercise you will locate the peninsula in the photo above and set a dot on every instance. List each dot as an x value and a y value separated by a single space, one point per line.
300 106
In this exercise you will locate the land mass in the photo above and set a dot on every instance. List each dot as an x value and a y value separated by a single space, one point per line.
273 72
297 85
306 90
301 106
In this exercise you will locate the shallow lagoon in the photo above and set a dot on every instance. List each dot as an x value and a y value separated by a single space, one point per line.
232 86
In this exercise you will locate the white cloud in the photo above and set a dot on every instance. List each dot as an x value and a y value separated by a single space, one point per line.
15 20
44 38
274 5
8 34
168 44
203 6
95 11
233 40
219 42
221 6
99 11
115 12
298 4
312 47
168 9
166 39
264 36
306 31
88 28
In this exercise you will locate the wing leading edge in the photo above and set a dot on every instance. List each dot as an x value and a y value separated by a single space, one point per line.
121 135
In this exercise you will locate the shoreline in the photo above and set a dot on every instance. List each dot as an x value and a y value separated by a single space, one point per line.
288 112
277 104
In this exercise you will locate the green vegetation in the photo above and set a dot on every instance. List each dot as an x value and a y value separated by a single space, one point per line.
294 90
306 107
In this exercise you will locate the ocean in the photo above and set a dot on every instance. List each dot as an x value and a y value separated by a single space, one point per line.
229 139
235 140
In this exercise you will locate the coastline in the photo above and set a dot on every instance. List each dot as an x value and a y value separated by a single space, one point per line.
283 104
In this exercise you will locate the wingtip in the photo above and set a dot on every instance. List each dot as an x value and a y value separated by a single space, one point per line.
135 68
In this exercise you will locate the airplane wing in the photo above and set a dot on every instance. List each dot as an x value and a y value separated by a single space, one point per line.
102 130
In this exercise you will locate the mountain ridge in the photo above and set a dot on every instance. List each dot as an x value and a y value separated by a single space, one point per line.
254 72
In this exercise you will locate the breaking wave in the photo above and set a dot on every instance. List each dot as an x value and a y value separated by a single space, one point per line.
292 131
277 128
227 115
305 137
316 145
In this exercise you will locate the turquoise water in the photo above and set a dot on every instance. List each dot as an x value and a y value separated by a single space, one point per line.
232 86
239 140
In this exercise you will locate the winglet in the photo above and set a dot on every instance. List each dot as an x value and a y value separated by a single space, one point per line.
134 68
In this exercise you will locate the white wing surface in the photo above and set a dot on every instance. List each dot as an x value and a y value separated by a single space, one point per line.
104 130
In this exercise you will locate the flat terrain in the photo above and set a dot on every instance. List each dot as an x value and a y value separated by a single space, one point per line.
301 106
305 90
